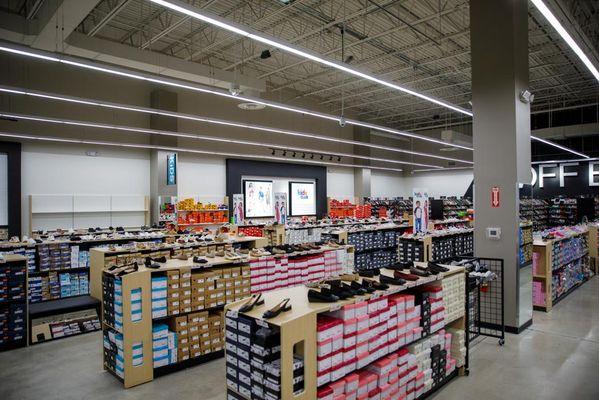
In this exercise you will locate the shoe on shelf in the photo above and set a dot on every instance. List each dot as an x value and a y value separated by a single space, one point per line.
314 296
198 260
376 285
358 288
419 272
387 280
181 257
161 259
369 273
253 301
229 255
402 265
283 306
405 276
434 267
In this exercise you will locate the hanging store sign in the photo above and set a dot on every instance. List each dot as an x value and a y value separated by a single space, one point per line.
420 210
568 178
171 169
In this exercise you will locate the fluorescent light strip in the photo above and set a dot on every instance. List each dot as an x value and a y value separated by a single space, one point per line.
558 146
543 9
563 161
202 15
109 69
200 137
179 149
196 118
441 170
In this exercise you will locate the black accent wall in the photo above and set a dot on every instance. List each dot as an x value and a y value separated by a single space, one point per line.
237 168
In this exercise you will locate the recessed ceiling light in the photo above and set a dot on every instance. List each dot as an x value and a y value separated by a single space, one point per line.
251 106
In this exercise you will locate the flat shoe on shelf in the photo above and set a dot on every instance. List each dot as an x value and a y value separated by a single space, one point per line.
314 296
387 280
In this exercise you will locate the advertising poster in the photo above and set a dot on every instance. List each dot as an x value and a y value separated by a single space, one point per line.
281 207
303 198
258 198
420 210
238 209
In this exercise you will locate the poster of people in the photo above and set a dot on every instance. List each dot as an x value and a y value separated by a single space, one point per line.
258 199
238 209
281 207
420 210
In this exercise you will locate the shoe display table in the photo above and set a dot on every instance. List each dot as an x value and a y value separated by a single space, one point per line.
282 355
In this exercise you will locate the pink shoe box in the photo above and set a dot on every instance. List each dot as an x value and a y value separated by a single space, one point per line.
392 333
412 372
338 387
324 363
325 347
409 300
394 394
402 390
351 395
337 372
349 354
392 321
436 303
362 384
419 390
323 377
411 313
401 340
325 393
374 318
402 357
370 380
361 348
375 394
337 342
419 379
385 314
381 367
394 374
410 385
363 396
346 312
352 382
362 360
403 379
417 333
363 322
373 343
361 309
434 292
379 328
328 327
349 340
393 345
385 391
350 365
409 336
350 326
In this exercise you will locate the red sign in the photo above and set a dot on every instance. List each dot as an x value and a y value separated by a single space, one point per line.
495 203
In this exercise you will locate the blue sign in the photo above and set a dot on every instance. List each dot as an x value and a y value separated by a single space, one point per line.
171 169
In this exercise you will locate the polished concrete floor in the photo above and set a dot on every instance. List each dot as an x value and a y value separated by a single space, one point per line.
557 358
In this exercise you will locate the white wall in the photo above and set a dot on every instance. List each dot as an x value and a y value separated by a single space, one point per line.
54 169
340 183
201 176
388 184
447 183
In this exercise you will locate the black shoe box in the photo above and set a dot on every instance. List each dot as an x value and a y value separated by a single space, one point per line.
245 390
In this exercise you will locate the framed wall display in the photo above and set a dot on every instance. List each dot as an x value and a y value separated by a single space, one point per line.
258 198
302 198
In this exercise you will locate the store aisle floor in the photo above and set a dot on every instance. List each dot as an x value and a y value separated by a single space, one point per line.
558 358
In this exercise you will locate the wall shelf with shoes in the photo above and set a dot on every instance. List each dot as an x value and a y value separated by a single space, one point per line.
272 350
437 245
193 211
560 265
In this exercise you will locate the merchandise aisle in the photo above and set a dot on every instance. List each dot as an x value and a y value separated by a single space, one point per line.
400 341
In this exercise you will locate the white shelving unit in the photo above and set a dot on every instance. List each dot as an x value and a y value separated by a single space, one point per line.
84 210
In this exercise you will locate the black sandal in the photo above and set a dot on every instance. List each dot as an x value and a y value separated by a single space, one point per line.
278 309
255 300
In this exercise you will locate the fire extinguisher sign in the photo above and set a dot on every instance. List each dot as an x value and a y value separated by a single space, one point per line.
495 199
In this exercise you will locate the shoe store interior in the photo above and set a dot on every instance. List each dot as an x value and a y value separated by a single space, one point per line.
299 199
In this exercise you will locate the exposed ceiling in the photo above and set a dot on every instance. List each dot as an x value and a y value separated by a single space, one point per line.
423 44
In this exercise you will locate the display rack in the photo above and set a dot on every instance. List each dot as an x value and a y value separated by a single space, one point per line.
525 244
195 212
594 246
560 265
436 246
13 302
183 295
295 367
395 208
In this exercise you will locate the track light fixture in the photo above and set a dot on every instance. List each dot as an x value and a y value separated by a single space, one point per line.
273 152
304 155
294 154
339 159
284 153
331 158
321 157
311 156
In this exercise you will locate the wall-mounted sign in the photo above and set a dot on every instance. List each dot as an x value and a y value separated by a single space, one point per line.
568 178
238 209
171 169
495 202
281 207
420 210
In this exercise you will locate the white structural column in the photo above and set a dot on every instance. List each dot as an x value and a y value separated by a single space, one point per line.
501 130
362 176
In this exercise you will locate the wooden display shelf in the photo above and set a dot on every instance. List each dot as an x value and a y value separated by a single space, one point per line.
298 325
544 270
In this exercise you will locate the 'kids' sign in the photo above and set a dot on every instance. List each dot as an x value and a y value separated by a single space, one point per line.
420 210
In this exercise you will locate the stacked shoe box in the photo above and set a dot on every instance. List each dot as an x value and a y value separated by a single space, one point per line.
54 256
198 327
185 305
12 323
219 286
251 350
159 295
179 326
35 289
114 358
272 378
12 282
453 296
215 289
458 346
410 250
108 299
172 292
407 373
216 332
164 346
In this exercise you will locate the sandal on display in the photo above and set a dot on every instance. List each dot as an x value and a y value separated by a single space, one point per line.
283 306
255 300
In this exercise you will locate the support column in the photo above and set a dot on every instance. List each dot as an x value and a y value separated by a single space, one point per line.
164 100
362 182
501 130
